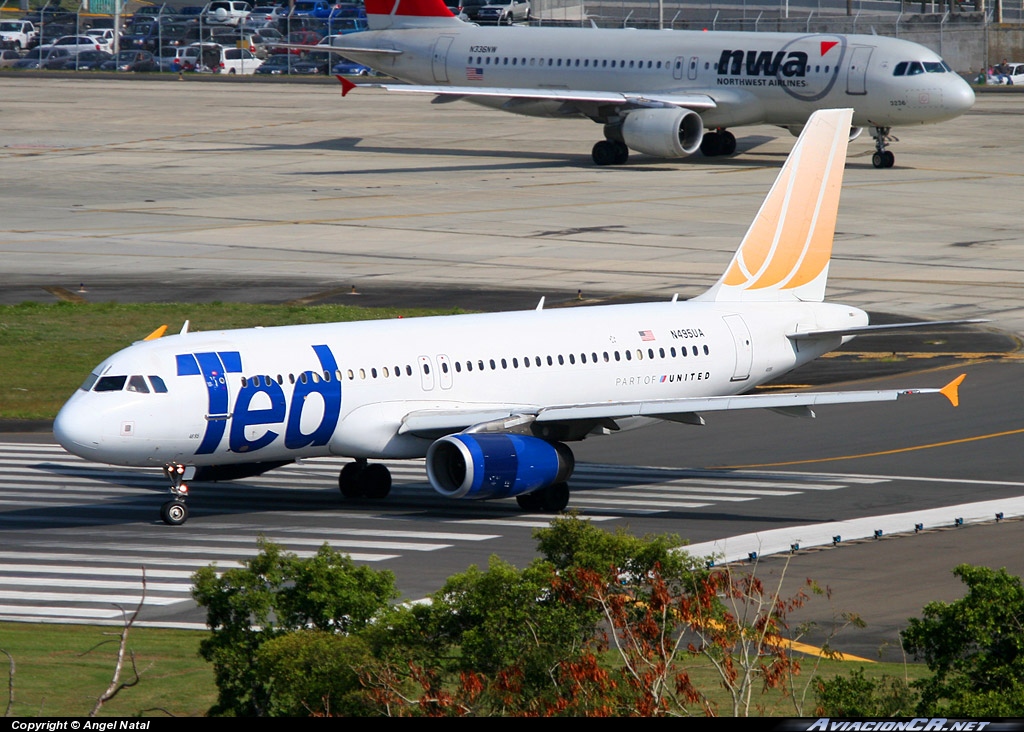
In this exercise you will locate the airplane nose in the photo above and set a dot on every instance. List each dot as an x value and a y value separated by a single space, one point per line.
960 97
74 430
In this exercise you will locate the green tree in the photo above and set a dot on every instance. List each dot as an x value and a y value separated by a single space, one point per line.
313 672
974 647
276 592
859 696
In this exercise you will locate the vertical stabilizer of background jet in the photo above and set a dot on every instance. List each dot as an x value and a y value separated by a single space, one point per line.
786 252
391 14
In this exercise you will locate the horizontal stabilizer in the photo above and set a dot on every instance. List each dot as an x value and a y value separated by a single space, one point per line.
869 329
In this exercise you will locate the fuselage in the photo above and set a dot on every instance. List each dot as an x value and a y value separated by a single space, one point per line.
265 394
753 78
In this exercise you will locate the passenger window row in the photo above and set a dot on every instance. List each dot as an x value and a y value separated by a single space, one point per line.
481 365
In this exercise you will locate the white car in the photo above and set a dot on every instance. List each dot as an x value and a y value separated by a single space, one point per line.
1008 72
77 44
104 38
220 59
226 12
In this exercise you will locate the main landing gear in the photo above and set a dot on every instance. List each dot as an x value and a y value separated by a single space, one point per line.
364 480
883 158
552 499
610 152
719 142
175 512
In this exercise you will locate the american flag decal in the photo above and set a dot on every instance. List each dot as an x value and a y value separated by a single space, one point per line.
474 73
646 335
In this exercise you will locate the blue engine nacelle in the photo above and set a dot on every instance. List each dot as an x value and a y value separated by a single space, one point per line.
479 466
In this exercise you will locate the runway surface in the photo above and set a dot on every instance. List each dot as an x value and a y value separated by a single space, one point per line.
198 192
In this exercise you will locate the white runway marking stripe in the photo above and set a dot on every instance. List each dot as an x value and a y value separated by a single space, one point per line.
39 612
120 571
152 588
91 597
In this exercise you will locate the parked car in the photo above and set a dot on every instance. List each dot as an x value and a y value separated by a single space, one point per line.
299 37
261 41
178 58
226 12
86 61
1008 72
217 59
8 57
104 38
471 8
344 26
349 10
18 34
286 63
39 57
504 12
311 9
76 44
132 60
351 68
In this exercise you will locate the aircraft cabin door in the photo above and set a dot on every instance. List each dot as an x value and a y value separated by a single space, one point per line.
444 371
426 373
691 69
219 404
744 347
856 74
439 62
677 67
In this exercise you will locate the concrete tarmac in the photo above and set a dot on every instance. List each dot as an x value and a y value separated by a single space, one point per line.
186 191
272 192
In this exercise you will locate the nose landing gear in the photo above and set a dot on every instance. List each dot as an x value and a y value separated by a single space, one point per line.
174 512
883 158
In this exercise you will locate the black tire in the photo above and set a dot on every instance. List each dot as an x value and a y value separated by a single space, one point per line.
349 480
888 159
531 501
376 481
603 153
711 145
878 160
555 497
621 153
727 144
174 513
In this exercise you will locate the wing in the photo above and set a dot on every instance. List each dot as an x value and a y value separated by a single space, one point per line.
513 418
695 101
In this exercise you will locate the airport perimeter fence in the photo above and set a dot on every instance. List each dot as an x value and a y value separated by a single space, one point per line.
969 40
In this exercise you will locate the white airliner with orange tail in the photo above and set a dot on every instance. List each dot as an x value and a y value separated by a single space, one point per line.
490 400
663 93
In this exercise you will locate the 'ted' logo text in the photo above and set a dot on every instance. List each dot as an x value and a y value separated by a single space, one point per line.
262 401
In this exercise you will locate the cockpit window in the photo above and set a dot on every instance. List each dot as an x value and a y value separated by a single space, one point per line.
89 381
138 384
110 383
912 68
158 384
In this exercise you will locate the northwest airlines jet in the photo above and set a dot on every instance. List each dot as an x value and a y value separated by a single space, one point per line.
656 92
490 400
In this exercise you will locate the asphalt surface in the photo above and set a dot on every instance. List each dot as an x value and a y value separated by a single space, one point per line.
244 192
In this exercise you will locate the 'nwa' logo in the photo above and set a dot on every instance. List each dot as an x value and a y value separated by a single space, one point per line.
763 63
262 410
